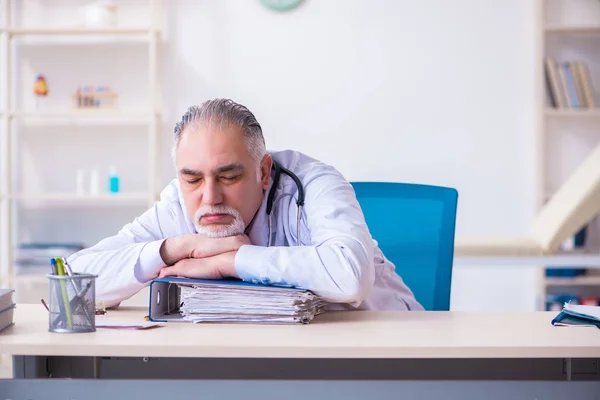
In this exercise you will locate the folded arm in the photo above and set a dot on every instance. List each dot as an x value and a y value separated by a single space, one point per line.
125 262
336 260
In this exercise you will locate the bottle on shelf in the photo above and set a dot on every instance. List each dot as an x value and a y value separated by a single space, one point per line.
113 180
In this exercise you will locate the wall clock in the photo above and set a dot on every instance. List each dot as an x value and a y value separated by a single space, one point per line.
281 5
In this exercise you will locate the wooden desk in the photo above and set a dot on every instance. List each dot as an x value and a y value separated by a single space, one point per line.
360 345
333 335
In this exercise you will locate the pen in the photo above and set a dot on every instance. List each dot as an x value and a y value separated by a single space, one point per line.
61 272
45 305
53 266
75 283
67 266
58 294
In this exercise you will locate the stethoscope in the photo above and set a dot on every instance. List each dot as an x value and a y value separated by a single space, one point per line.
270 198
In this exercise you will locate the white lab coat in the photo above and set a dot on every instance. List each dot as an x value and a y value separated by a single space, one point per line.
337 259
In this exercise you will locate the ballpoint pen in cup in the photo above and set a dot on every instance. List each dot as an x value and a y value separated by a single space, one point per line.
67 266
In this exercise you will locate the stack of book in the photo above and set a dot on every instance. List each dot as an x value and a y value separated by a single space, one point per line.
569 84
7 308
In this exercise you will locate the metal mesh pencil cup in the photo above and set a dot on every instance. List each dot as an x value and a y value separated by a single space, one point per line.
72 303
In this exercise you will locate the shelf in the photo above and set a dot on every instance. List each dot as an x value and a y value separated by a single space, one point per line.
573 113
573 29
593 280
84 117
72 199
22 31
81 36
577 260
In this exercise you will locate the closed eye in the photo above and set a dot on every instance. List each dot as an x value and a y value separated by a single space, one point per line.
230 178
193 181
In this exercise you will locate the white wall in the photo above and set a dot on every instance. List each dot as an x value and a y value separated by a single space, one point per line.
430 91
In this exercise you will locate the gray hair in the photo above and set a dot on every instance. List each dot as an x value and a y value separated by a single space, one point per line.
222 113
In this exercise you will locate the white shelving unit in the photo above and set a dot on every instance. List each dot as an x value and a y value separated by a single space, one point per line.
567 31
554 113
551 29
575 260
75 31
13 36
83 117
593 280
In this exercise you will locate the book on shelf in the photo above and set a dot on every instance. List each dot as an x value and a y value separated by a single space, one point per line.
555 301
35 257
569 85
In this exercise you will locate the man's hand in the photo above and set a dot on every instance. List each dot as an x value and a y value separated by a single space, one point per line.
216 267
203 246
194 245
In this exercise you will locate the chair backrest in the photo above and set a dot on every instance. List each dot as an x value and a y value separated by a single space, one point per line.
414 226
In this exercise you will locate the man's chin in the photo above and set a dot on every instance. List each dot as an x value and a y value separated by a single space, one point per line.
218 231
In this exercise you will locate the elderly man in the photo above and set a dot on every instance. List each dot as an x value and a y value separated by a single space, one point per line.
237 211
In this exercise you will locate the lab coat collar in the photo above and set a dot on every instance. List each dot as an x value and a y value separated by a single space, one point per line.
188 218
258 229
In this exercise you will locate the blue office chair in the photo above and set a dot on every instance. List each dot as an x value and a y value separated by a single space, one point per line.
414 227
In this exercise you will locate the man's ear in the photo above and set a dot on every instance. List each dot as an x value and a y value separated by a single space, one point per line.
265 171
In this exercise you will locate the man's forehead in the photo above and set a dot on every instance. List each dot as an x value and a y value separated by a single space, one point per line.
208 148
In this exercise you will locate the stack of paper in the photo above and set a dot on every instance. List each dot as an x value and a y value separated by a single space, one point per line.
578 315
233 301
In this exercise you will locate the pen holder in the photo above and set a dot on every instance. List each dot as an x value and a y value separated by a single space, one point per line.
72 303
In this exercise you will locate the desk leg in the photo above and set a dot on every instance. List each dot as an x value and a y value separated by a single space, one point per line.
569 368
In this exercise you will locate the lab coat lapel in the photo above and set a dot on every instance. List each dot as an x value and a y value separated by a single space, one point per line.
258 230
187 218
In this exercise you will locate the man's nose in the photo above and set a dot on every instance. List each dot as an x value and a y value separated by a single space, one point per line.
212 194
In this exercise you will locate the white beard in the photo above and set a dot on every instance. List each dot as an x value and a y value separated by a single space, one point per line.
237 227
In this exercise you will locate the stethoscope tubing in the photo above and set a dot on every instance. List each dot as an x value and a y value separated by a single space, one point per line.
271 198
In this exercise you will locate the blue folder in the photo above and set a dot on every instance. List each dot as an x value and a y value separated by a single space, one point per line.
165 295
577 316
